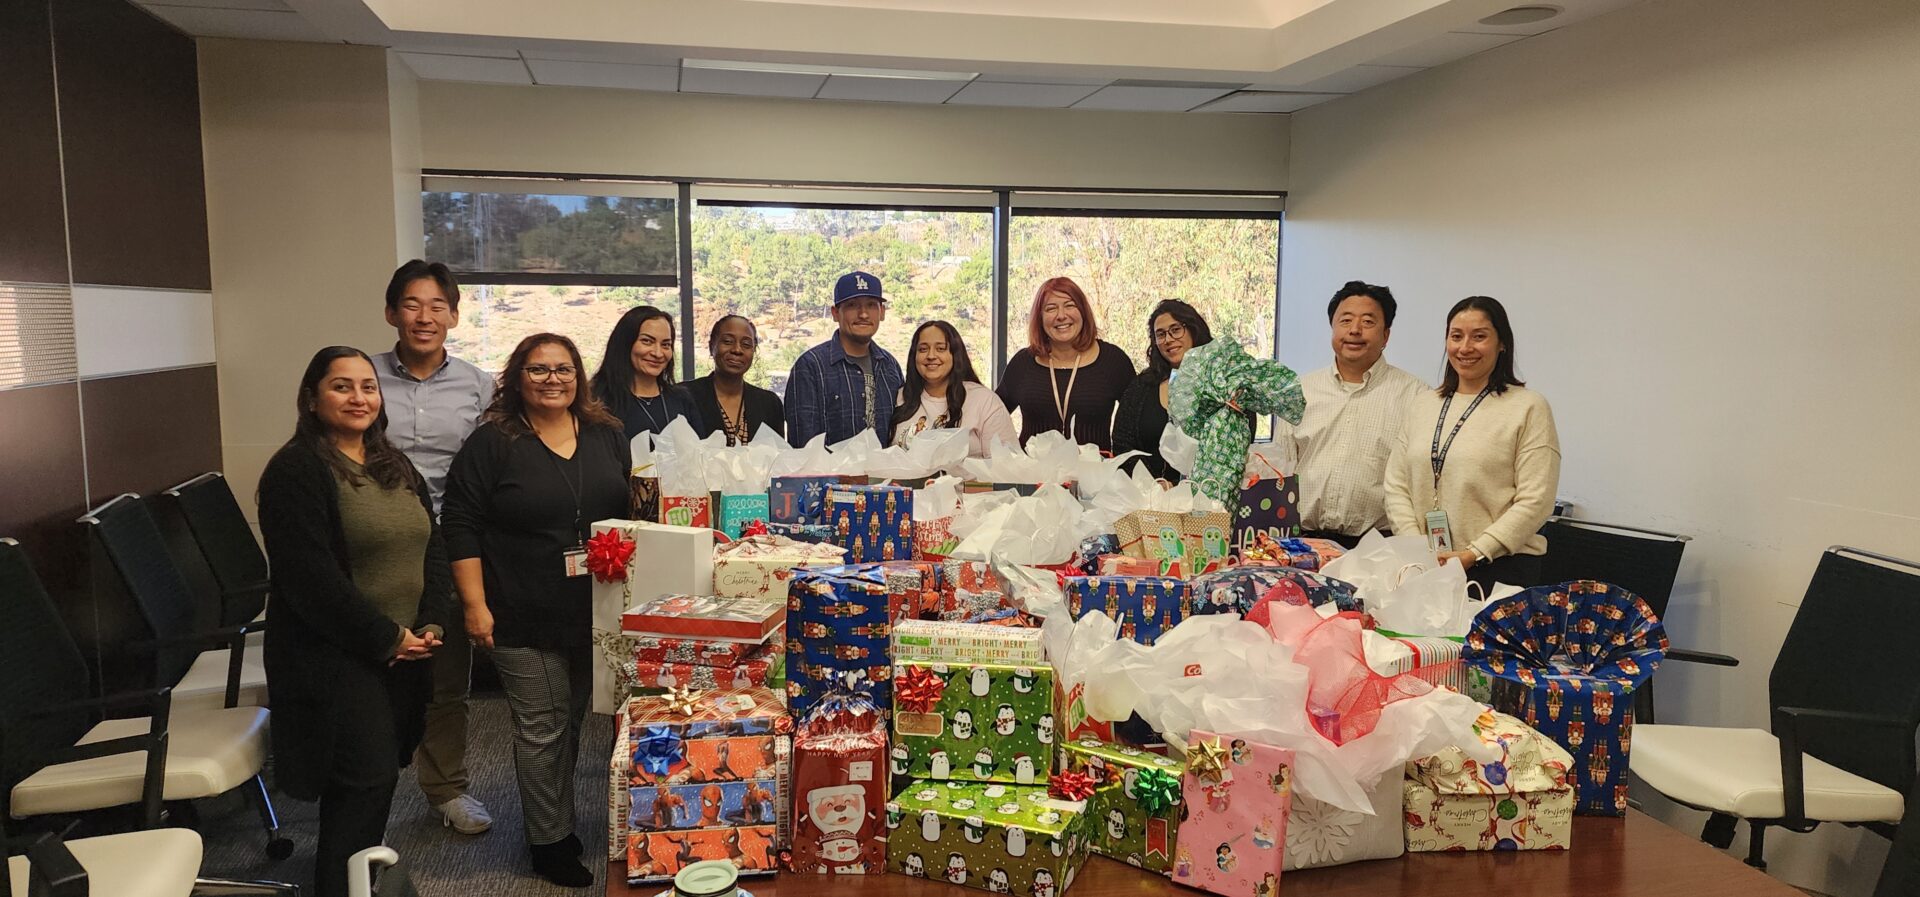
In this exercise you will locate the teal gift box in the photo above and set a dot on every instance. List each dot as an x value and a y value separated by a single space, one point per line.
738 510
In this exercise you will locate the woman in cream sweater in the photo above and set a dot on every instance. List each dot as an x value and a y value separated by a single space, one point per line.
1479 457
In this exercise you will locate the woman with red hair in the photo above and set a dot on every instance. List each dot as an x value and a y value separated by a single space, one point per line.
1067 379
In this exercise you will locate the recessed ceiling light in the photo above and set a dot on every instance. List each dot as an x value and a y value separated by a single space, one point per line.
1521 15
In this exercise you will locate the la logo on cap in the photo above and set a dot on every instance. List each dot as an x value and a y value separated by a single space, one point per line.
860 283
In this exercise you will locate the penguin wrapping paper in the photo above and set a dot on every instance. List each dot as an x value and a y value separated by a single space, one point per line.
1144 606
763 565
873 523
837 624
678 560
978 722
1523 801
725 736
943 642
1237 794
1567 659
840 788
1134 813
1004 839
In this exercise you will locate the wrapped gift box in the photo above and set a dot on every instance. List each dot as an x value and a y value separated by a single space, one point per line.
1435 659
840 788
801 500
933 539
746 618
698 652
1092 549
1127 565
973 722
1233 840
738 510
970 589
656 857
679 560
763 565
1146 607
733 735
837 627
1135 810
1234 590
937 641
873 523
1321 834
818 533
757 670
914 590
1454 803
1006 839
687 510
672 826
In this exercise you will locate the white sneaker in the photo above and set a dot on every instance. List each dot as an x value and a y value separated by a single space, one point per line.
466 815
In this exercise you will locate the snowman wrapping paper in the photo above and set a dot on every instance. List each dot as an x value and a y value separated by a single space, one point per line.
973 722
1237 794
1135 810
1003 839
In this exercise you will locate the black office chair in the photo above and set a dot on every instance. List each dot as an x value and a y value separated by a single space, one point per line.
1844 698
1642 561
224 539
156 863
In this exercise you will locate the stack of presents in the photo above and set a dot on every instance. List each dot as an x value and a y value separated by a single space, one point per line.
823 691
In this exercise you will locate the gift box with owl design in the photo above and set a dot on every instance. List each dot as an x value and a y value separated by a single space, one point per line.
978 722
1004 839
1146 607
873 523
1237 793
1134 813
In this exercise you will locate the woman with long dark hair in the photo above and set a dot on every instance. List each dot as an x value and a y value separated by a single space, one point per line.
1172 329
727 402
635 379
943 393
546 461
361 591
1067 379
1478 460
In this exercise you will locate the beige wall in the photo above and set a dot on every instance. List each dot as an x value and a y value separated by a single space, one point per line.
1699 213
629 132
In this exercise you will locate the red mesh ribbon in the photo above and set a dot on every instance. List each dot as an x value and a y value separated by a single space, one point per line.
1070 785
607 556
1344 695
918 689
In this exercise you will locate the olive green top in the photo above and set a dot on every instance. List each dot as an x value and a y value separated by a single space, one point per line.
387 532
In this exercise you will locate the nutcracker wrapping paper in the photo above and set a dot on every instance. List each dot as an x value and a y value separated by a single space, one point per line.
873 523
1268 505
763 565
1321 834
801 500
837 625
938 641
1135 810
1237 794
1523 801
678 560
1566 659
979 722
1004 839
738 510
1146 607
746 618
687 510
840 788
732 735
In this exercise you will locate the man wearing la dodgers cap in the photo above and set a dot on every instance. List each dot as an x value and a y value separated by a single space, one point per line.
846 384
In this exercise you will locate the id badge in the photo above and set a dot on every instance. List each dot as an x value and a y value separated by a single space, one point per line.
1439 531
576 561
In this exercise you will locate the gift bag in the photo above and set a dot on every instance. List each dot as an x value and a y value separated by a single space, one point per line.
1238 794
1269 503
643 481
736 511
840 787
1151 534
1206 540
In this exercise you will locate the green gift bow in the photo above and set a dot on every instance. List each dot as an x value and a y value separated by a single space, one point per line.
1155 791
1219 387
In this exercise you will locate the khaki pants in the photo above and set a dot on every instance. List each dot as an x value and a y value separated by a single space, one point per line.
441 761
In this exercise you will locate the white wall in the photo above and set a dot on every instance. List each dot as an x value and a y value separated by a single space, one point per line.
1700 215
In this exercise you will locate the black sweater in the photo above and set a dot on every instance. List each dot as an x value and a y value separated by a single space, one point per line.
510 503
759 405
638 415
1139 424
1023 387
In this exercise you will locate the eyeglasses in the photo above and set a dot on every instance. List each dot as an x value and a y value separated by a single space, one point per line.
1173 331
541 372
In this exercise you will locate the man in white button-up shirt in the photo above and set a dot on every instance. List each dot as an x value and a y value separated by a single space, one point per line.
1353 417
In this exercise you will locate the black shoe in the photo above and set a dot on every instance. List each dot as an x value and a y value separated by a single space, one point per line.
555 863
574 846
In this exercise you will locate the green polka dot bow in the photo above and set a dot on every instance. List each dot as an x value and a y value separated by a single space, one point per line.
1219 388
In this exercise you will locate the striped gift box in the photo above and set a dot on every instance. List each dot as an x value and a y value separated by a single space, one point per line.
1434 659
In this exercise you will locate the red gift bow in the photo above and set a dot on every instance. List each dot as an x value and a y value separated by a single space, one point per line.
607 556
754 528
917 689
1070 785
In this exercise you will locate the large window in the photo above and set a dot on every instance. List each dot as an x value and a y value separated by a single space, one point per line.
510 236
496 317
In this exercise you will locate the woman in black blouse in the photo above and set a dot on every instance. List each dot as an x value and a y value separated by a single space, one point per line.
1172 329
635 379
1067 375
361 589
546 461
726 401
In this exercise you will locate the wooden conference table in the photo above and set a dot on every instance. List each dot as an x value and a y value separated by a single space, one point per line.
1631 857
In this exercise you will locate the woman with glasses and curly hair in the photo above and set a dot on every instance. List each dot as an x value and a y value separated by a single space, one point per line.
1172 329
546 461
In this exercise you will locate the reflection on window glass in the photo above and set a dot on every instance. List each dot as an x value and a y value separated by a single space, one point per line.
777 267
494 318
547 233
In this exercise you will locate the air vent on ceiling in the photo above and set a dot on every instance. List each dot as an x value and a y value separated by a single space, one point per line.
1521 15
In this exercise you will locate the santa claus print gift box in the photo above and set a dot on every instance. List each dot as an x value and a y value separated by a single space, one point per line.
980 722
840 787
1005 839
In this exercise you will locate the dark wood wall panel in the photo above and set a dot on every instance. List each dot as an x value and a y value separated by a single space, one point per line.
44 488
146 432
33 230
130 127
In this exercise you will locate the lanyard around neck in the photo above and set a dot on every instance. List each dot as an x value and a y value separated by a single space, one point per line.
1439 452
579 522
1061 402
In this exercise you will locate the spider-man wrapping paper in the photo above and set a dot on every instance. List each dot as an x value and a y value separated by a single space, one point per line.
1566 659
724 736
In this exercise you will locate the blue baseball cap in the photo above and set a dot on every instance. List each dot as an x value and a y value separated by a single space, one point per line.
858 285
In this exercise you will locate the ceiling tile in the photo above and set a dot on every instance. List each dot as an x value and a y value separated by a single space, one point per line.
1358 78
889 90
415 45
758 84
1151 99
992 93
1571 11
1445 48
1041 79
442 67
1267 101
243 23
268 5
604 74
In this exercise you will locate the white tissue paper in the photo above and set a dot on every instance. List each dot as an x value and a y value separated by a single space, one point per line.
1179 450
810 460
931 452
852 457
681 457
1048 458
1405 589
1043 528
939 498
744 469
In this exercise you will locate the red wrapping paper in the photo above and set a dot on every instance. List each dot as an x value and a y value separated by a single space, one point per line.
839 790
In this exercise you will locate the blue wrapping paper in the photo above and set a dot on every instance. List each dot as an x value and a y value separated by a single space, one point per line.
1314 590
1146 607
873 523
818 533
1092 549
838 633
1566 659
1234 590
800 500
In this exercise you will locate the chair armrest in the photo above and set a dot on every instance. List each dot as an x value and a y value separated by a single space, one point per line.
156 701
53 871
233 638
1786 728
159 705
1707 657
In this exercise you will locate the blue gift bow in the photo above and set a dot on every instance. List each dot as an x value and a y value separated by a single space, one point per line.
658 748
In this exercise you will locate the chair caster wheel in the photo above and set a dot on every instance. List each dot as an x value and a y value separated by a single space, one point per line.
280 848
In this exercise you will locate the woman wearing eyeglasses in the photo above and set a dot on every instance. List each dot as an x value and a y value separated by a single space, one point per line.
727 402
546 461
635 379
1172 329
